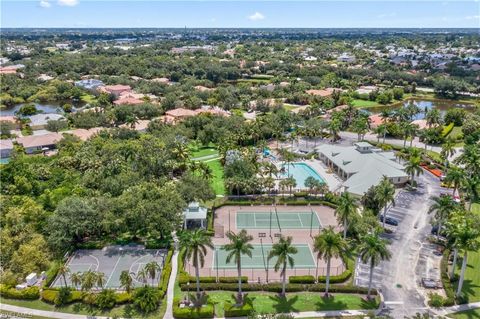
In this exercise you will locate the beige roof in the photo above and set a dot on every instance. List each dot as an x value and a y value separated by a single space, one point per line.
202 88
323 93
39 140
6 144
181 112
128 100
8 118
421 123
84 134
141 125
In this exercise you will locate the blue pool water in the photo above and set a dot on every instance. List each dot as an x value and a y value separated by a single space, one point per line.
300 171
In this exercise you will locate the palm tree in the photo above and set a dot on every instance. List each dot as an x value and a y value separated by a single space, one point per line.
328 245
346 209
360 126
196 243
448 150
142 276
455 176
385 115
291 183
126 281
334 127
413 168
88 280
63 271
270 169
471 187
76 279
239 245
470 159
152 268
468 234
443 206
99 279
372 250
283 251
433 117
385 194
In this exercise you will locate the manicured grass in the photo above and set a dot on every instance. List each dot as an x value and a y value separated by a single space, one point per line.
471 284
265 302
289 107
26 314
363 103
218 183
125 311
456 132
204 152
469 314
88 98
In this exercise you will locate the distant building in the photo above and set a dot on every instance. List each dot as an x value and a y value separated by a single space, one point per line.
39 121
347 58
38 143
6 148
89 84
193 48
176 115
116 90
323 93
195 216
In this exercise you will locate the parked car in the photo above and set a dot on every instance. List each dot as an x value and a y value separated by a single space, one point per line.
389 221
435 230
431 283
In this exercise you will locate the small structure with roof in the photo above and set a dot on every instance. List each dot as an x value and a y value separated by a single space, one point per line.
6 148
89 84
39 143
39 121
195 216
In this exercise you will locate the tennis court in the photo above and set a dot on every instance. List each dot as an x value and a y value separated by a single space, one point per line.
259 260
277 220
111 261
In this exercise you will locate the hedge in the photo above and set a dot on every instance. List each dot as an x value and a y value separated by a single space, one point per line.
123 298
344 276
232 310
50 295
447 129
277 287
447 284
166 271
301 279
184 278
206 311
30 293
51 274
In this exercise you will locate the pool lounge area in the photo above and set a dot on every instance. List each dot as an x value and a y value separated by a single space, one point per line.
300 172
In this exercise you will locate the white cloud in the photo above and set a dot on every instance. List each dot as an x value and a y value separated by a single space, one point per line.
472 17
257 16
45 4
387 15
69 3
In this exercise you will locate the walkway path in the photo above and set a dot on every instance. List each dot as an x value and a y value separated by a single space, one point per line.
171 282
29 312
448 310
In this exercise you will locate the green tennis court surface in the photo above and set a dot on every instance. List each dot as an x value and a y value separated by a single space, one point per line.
303 259
267 220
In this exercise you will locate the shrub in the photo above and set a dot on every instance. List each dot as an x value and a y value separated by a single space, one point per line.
184 278
435 300
49 295
301 279
63 296
147 299
51 274
206 311
447 129
344 276
105 299
232 310
122 298
30 293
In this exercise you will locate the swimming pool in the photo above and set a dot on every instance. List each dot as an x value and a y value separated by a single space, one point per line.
300 171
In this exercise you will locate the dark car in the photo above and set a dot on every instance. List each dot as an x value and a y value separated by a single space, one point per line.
389 220
435 230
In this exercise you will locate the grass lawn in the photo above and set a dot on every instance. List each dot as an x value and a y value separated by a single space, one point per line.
363 103
125 311
267 302
204 152
218 183
88 98
26 314
456 132
469 314
471 284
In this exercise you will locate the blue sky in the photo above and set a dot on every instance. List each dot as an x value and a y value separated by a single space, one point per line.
247 13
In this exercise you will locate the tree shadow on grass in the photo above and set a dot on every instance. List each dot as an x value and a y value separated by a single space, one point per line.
330 303
369 304
469 289
284 304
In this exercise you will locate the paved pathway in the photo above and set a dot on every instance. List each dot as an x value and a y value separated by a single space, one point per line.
29 312
171 282
448 310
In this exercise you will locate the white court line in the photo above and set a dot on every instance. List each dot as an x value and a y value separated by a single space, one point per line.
98 262
301 223
113 271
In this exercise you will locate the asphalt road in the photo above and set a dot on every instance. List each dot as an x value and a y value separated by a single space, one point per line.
412 256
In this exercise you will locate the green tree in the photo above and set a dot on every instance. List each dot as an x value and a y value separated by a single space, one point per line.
195 244
283 251
385 193
152 268
346 210
413 168
76 279
146 299
126 281
455 176
329 244
372 250
239 245
63 271
442 206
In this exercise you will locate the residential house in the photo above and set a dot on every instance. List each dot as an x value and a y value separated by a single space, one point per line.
38 143
6 148
10 119
323 93
177 115
39 121
347 58
115 90
89 84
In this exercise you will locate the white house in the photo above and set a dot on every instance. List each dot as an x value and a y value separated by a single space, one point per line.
195 216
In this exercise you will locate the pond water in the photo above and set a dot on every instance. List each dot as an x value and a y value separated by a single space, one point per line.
47 107
424 106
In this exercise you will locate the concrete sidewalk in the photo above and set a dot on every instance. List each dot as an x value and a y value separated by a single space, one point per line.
449 310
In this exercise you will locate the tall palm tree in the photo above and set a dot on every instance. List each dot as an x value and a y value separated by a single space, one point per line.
346 210
372 250
334 127
142 276
471 186
283 250
448 150
433 117
100 279
328 245
385 194
470 159
196 243
413 168
88 280
455 176
152 268
239 245
443 206
63 271
76 279
468 235
126 281
385 115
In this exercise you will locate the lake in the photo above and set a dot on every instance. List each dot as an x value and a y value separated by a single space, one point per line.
441 105
47 107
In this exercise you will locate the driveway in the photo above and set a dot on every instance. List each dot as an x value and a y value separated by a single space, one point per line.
412 256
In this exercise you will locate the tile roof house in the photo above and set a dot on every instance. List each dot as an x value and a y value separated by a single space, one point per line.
84 134
323 93
128 100
176 115
116 90
37 143
375 120
362 166
6 148
10 119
